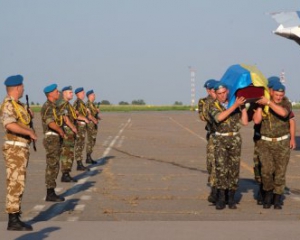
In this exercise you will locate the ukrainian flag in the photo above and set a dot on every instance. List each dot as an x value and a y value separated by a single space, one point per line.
241 76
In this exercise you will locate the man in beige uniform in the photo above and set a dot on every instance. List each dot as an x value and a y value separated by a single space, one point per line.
15 120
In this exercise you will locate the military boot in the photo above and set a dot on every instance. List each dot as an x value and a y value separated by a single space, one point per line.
231 201
260 195
268 199
15 224
80 166
89 159
67 178
220 204
277 201
212 198
52 197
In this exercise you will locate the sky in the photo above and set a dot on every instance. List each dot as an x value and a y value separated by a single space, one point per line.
141 49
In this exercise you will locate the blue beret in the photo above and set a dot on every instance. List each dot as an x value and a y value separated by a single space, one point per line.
272 80
89 92
210 83
77 90
67 88
219 85
279 87
13 81
50 88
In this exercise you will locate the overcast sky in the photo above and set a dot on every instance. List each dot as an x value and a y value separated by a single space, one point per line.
141 49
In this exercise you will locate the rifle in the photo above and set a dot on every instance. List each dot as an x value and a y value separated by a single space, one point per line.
97 114
30 123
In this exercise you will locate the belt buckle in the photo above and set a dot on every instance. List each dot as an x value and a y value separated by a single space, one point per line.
274 139
230 134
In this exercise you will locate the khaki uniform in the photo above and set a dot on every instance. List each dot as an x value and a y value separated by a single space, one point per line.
81 129
274 149
68 143
52 142
92 128
16 153
228 142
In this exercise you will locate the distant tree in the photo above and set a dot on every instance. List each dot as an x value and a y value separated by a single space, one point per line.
38 104
138 102
123 103
32 103
178 103
105 102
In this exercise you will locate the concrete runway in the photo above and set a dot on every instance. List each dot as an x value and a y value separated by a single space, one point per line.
150 183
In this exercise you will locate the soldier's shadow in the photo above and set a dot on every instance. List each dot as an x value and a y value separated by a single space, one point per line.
42 234
246 185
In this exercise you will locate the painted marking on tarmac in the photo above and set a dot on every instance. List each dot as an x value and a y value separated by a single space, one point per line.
72 219
79 207
85 197
121 142
38 208
187 129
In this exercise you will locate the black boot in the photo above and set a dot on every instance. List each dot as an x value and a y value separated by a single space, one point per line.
231 201
212 198
52 197
89 159
268 199
260 195
220 204
80 166
277 201
15 224
67 178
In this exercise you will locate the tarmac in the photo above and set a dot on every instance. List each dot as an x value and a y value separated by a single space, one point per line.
150 182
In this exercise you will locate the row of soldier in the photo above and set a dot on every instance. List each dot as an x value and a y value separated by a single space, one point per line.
64 127
274 137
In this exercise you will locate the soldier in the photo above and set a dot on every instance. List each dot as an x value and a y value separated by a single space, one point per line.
92 126
69 117
227 141
275 144
81 110
15 119
203 110
53 135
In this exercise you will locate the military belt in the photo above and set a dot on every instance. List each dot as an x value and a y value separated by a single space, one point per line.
51 133
228 134
16 143
275 139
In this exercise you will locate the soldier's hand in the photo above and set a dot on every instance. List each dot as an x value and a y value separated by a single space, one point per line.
240 101
32 135
263 101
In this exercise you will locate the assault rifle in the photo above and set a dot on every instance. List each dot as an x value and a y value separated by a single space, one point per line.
30 123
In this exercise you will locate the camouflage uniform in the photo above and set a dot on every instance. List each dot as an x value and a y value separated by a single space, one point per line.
81 128
52 142
92 128
16 153
68 143
227 148
256 161
275 154
203 106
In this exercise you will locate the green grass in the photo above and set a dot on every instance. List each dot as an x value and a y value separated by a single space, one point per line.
131 108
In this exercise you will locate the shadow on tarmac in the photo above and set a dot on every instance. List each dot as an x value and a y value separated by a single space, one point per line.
297 143
42 234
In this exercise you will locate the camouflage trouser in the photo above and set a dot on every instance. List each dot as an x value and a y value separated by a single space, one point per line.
52 145
210 161
16 160
91 137
79 143
67 150
256 161
227 159
274 157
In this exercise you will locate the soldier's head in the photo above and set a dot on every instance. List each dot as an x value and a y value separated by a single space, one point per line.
90 95
209 85
221 91
278 92
67 93
52 92
14 86
80 93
